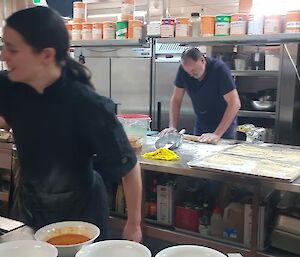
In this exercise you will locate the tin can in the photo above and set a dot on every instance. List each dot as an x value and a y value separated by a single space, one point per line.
135 29
182 27
238 24
97 32
87 29
76 31
109 30
292 22
127 10
167 27
79 12
207 25
222 25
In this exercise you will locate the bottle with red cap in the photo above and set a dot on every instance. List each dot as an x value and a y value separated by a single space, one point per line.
216 223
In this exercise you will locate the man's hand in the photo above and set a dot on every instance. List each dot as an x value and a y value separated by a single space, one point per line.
209 138
132 233
167 131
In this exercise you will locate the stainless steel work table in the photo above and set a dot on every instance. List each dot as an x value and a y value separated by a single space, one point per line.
189 152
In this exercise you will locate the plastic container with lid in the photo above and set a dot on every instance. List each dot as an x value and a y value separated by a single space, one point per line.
222 25
293 22
136 127
87 29
195 24
207 25
167 28
79 12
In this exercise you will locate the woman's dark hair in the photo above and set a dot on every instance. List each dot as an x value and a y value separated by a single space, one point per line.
42 27
192 53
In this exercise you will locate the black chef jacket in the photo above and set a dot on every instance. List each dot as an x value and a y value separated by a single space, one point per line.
56 134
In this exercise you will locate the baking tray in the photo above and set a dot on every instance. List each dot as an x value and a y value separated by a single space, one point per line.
250 166
266 151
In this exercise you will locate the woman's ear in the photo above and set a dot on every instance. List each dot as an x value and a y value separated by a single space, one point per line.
48 55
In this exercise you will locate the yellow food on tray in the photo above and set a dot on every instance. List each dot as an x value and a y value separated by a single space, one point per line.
162 154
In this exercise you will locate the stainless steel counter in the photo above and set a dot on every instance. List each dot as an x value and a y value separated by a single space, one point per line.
190 151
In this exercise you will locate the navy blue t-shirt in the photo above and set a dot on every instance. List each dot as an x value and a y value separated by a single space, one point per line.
207 96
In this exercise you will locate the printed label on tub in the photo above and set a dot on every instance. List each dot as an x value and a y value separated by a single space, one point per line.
181 30
167 31
222 28
137 32
238 28
79 13
293 24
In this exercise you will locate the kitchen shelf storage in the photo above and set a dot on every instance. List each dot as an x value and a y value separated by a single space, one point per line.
257 114
106 43
235 40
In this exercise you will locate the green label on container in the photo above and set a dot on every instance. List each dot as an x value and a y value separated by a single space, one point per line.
223 18
121 29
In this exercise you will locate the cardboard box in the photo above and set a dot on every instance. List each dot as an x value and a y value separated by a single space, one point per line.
165 196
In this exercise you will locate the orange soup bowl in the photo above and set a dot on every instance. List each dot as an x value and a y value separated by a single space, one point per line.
68 236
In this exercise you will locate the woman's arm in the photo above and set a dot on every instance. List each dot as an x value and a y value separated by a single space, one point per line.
132 184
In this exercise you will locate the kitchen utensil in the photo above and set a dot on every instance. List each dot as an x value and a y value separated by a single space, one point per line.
263 105
170 141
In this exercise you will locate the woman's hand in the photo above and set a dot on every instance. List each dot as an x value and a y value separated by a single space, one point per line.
132 232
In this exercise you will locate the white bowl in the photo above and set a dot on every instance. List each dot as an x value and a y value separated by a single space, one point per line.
27 248
114 248
189 251
68 227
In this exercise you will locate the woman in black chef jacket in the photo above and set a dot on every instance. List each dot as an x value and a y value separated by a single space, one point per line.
59 124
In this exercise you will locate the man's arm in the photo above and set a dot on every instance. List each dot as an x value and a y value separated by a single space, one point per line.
233 105
132 184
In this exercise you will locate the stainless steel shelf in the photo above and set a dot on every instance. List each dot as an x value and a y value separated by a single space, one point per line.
235 40
257 114
178 237
254 73
102 43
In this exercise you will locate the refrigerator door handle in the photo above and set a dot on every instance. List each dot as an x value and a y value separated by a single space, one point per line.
158 116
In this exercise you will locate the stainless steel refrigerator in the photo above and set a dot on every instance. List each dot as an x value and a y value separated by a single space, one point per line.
121 73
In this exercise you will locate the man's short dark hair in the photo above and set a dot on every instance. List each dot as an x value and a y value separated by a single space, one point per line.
192 53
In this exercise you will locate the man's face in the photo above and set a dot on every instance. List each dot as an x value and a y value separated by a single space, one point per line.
195 69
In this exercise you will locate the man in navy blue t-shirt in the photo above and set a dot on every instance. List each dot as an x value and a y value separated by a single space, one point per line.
211 88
